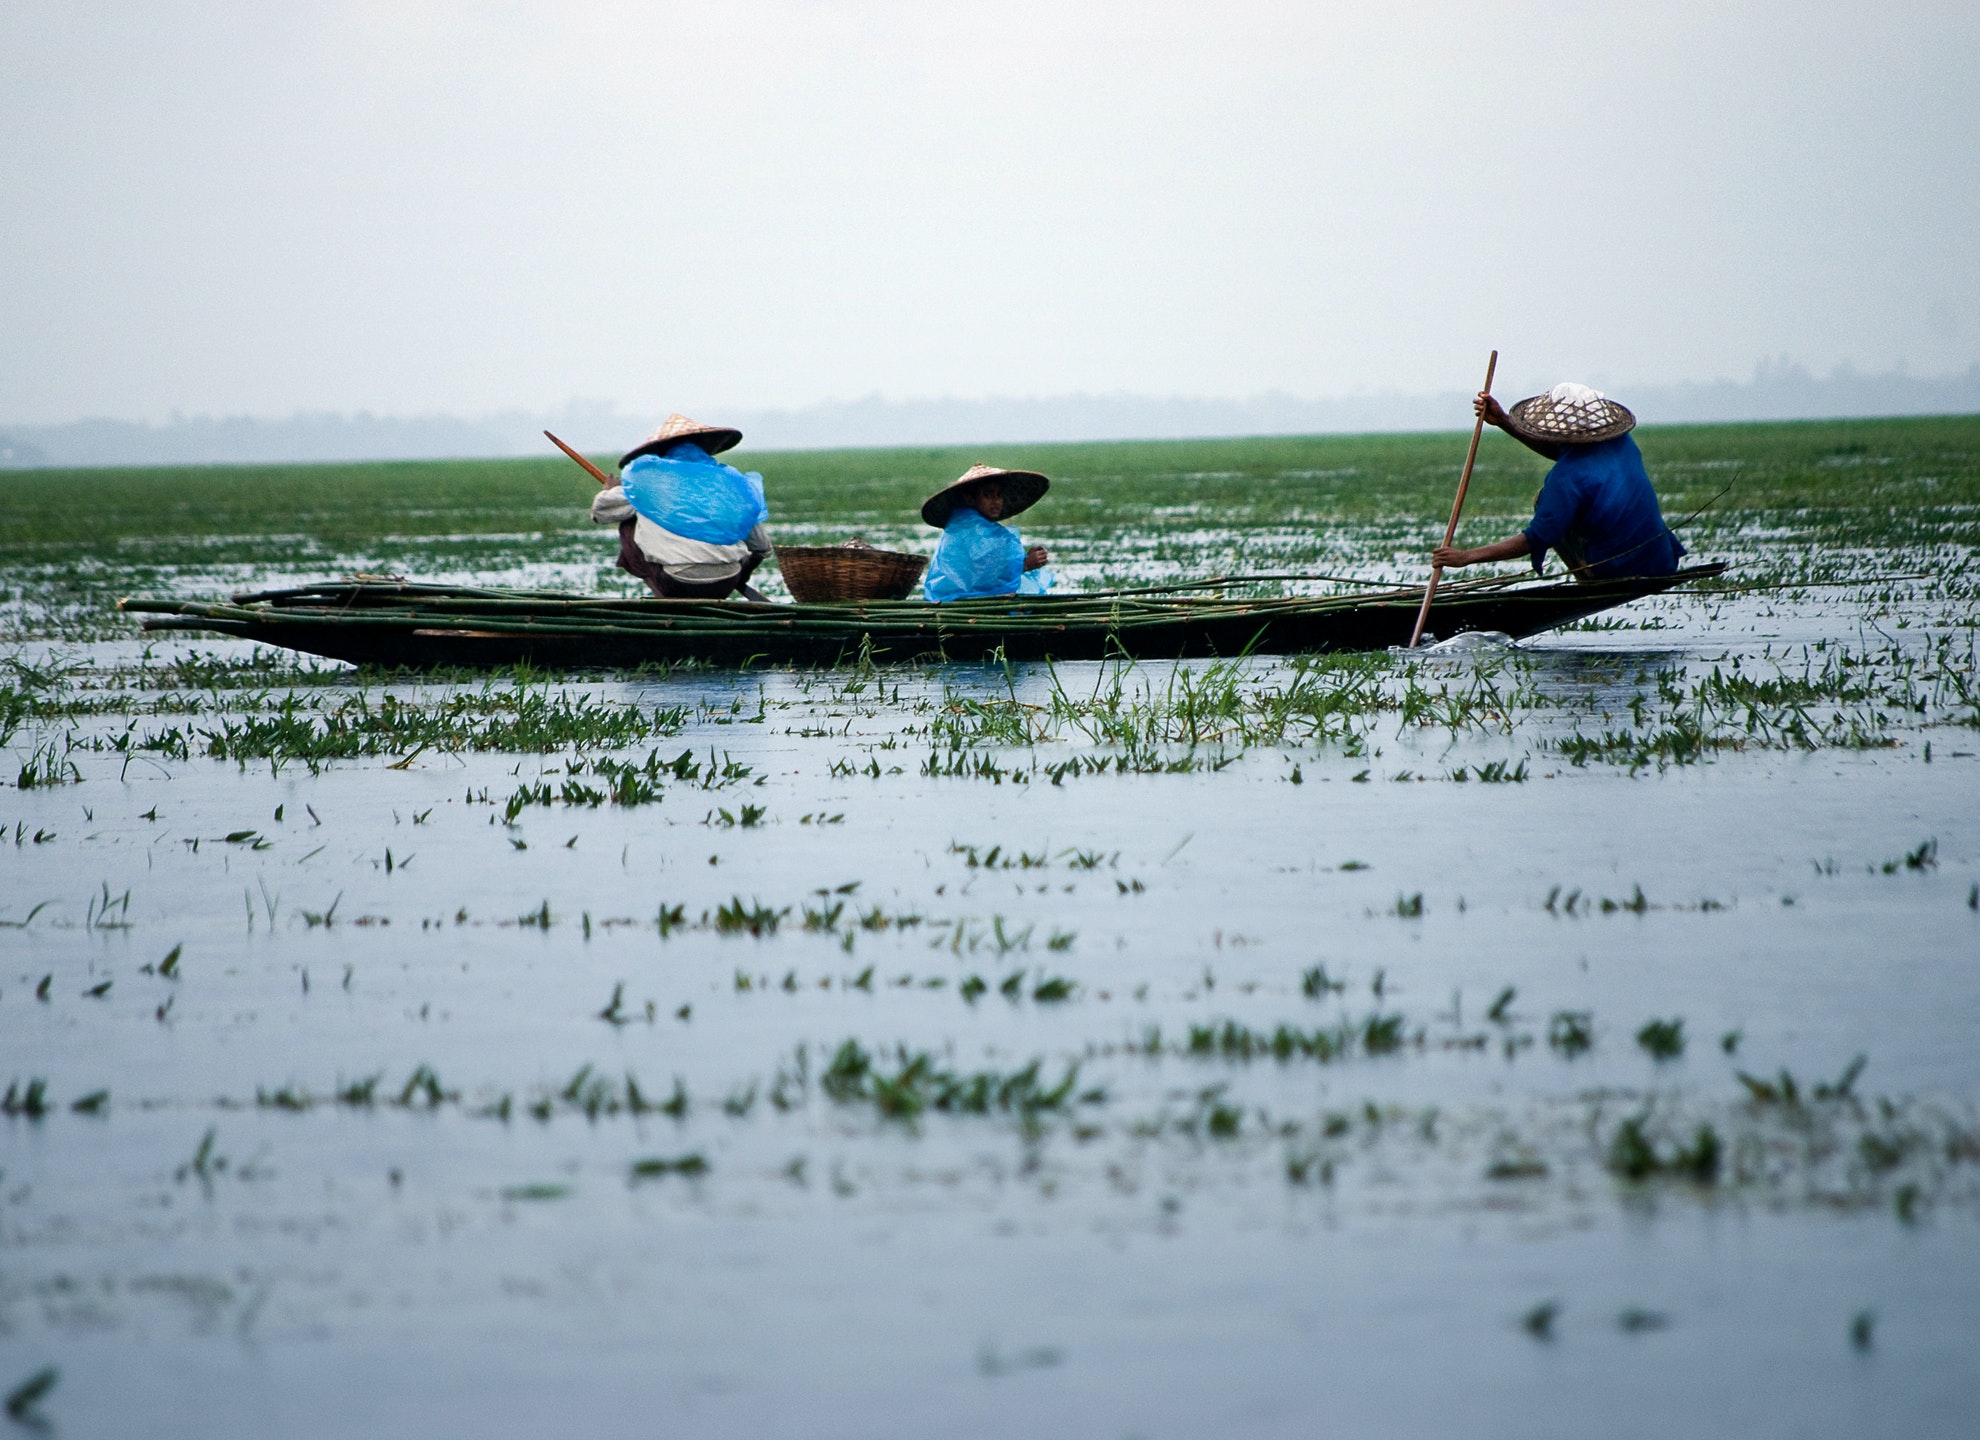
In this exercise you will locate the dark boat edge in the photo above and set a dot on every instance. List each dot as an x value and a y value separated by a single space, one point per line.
474 631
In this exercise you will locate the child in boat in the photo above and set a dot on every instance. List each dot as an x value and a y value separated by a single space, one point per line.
977 557
1596 507
689 526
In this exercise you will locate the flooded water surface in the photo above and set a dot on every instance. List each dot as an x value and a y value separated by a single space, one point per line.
1563 1038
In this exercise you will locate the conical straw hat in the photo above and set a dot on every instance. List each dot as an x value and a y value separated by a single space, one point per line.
1022 490
712 438
1570 414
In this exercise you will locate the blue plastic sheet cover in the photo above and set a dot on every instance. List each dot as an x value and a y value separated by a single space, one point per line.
978 558
691 493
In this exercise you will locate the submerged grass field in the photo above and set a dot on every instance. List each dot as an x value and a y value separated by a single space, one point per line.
1542 1038
1119 511
1827 469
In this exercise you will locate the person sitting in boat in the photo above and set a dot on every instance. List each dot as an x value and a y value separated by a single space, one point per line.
689 526
1596 507
977 557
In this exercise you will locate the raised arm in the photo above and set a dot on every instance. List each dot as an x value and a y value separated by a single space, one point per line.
1495 414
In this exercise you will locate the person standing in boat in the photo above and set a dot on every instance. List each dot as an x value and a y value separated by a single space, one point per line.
689 526
1596 507
978 558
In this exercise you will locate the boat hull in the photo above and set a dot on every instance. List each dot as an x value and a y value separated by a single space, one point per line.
426 628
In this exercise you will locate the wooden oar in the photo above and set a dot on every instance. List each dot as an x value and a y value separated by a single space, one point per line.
599 475
1457 505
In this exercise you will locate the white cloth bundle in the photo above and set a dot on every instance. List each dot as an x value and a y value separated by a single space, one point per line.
1569 392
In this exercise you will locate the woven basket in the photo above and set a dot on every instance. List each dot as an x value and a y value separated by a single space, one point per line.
821 574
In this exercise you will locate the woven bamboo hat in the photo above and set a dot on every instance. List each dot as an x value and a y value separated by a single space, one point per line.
712 438
1022 490
1570 414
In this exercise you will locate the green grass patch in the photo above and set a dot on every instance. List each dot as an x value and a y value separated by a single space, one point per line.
1873 467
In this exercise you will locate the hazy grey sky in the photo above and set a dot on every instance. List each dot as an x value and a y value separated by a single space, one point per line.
256 208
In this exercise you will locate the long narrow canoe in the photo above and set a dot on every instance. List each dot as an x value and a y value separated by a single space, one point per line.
405 624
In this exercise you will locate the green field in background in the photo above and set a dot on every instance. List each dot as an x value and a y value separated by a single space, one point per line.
1850 477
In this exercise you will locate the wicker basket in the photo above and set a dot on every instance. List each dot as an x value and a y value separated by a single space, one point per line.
822 574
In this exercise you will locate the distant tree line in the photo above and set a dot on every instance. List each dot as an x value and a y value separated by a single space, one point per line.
1779 390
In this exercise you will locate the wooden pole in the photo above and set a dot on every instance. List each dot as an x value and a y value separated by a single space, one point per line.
603 479
1457 506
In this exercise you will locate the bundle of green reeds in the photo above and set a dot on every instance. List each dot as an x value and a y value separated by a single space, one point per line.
404 604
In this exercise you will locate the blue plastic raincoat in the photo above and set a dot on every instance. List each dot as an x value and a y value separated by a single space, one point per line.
978 558
692 494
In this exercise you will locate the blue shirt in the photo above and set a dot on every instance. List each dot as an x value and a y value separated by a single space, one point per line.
1598 500
978 558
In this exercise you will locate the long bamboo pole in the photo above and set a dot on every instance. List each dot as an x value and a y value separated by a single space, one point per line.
599 475
1457 506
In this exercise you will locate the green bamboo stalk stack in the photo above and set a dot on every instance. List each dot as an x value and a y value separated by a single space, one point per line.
397 605
389 621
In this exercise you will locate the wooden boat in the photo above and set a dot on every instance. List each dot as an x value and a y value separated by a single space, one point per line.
398 623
